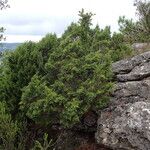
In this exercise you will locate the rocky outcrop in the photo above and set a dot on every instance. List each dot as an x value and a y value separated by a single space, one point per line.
125 124
140 47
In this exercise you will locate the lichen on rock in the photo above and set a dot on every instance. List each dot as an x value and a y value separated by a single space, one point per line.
125 123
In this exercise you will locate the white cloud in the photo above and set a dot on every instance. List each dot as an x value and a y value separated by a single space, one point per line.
31 18
22 38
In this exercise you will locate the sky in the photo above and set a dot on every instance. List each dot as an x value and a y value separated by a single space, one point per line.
32 19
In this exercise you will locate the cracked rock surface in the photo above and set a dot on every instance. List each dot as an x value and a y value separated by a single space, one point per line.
125 124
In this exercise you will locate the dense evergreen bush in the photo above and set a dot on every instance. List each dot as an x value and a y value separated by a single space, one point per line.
8 129
78 77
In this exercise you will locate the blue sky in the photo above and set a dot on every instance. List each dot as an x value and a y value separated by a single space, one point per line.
32 19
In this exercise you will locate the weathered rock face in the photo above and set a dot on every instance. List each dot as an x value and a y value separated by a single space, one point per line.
125 124
126 128
141 47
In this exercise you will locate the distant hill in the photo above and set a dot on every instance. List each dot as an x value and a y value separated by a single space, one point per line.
8 46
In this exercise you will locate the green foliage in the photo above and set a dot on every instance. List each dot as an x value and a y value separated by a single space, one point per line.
143 12
138 31
19 67
101 39
8 129
47 145
78 77
58 80
120 48
62 77
132 31
44 47
39 101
